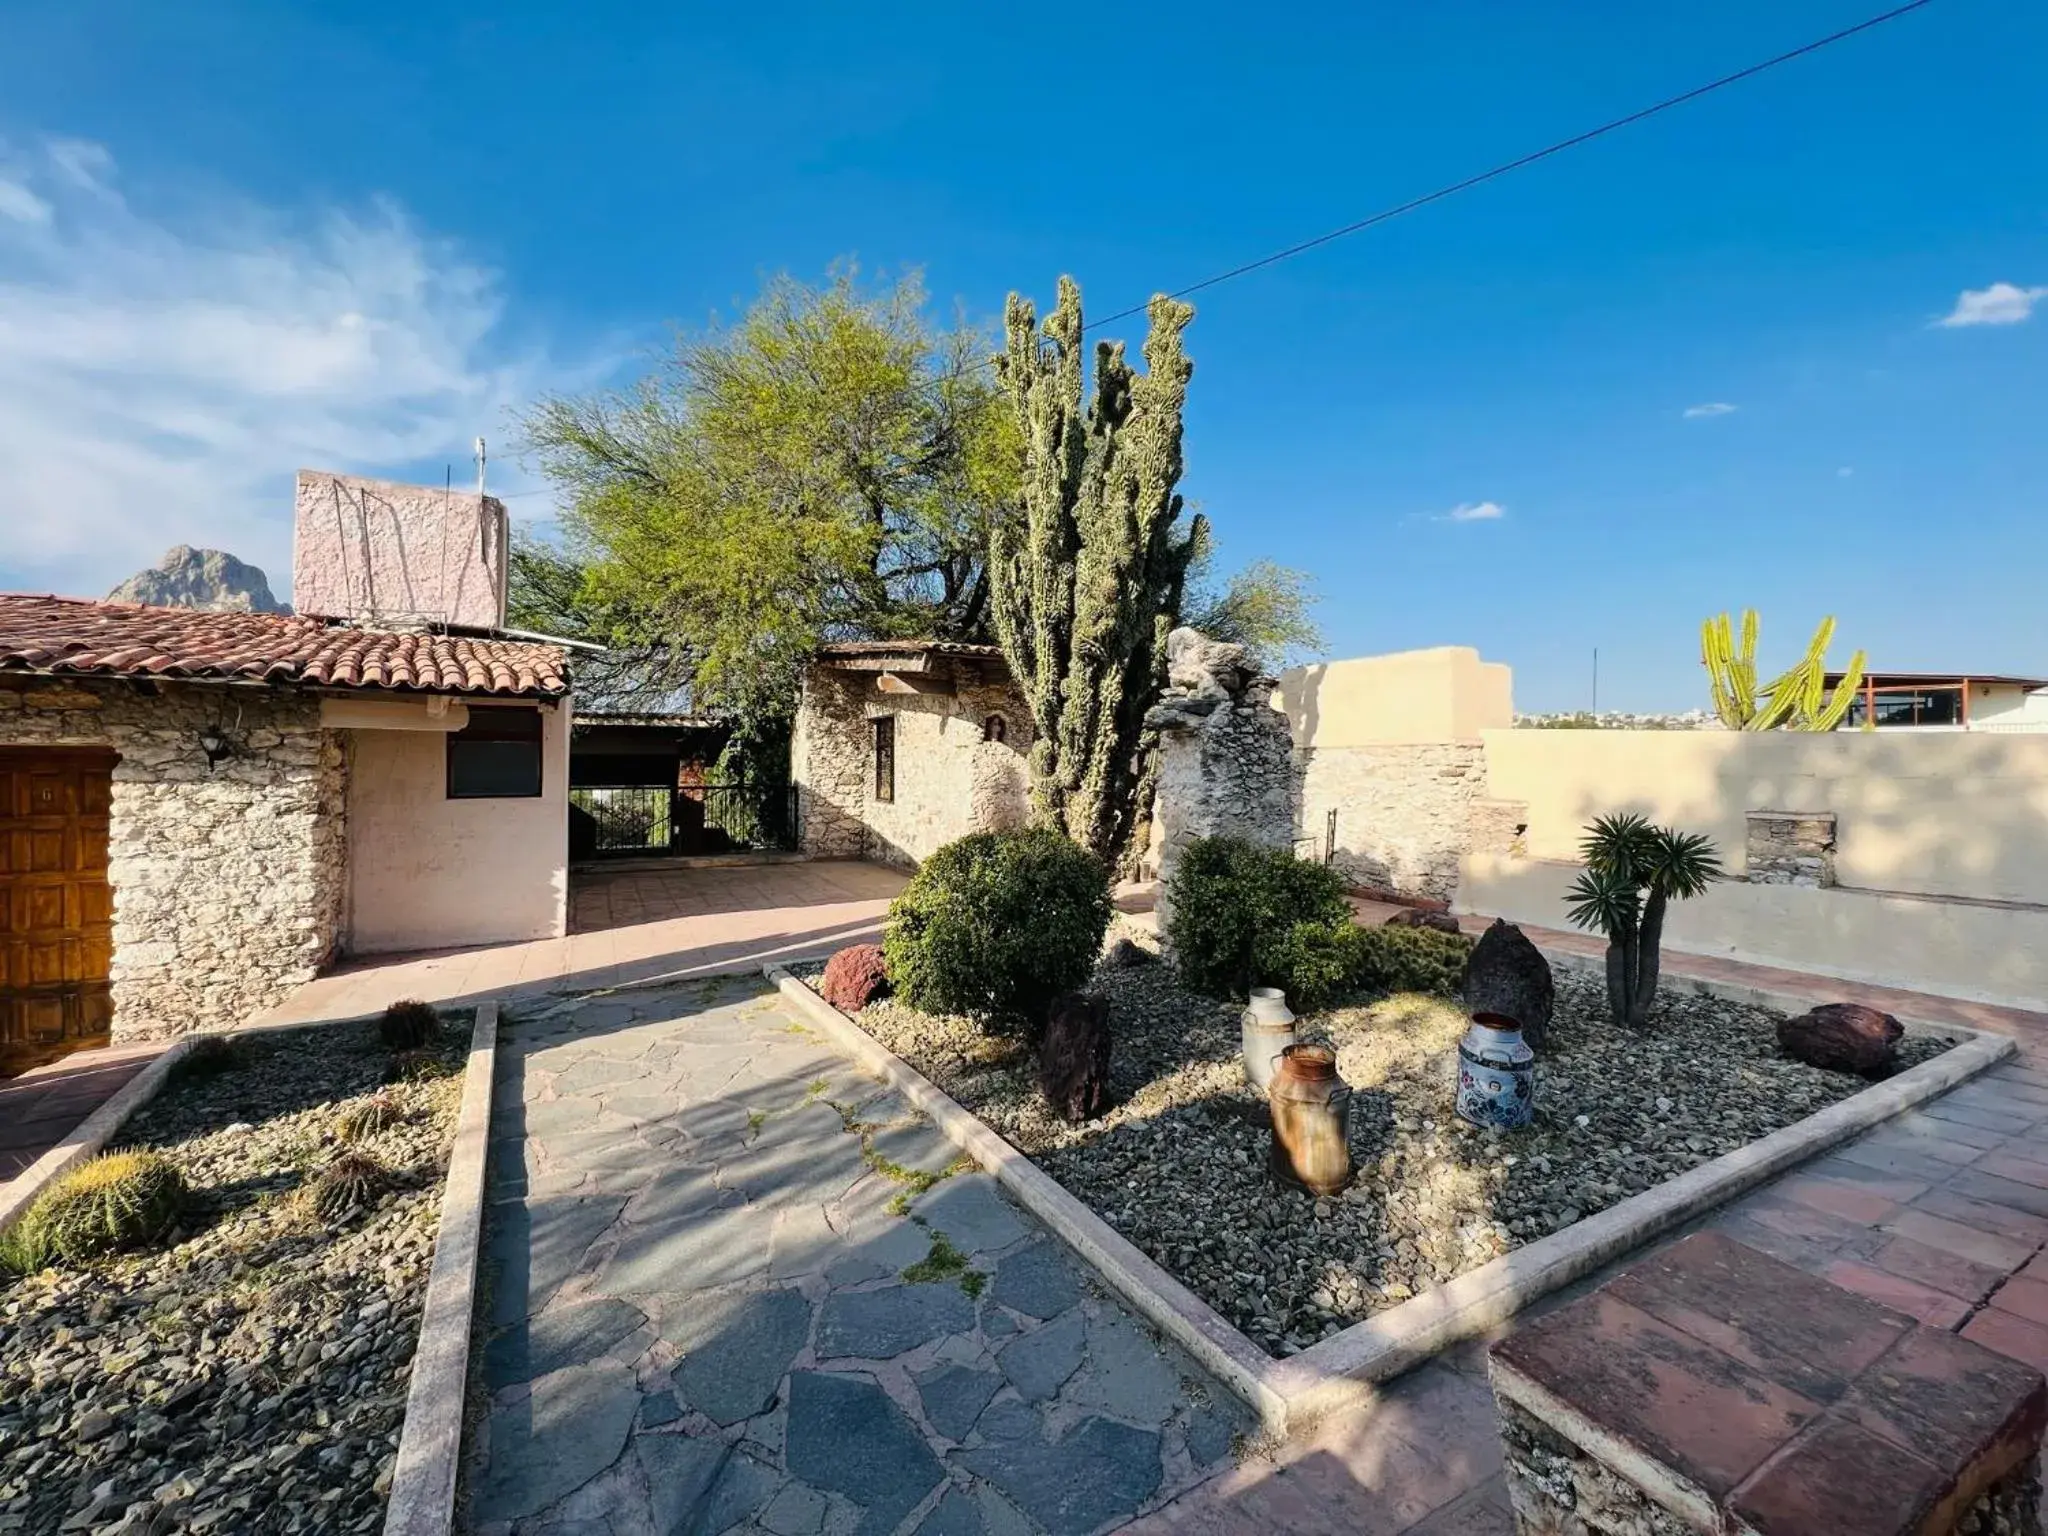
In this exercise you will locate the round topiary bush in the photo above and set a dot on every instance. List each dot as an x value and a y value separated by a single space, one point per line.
409 1025
121 1200
855 977
1245 916
997 925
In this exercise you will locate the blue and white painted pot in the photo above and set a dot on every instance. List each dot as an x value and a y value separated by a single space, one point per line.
1496 1073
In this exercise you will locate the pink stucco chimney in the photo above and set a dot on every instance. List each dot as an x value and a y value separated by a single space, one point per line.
386 553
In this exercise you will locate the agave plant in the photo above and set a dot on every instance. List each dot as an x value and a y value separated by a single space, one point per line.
1633 871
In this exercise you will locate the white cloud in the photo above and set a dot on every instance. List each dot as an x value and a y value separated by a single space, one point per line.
160 382
1711 408
22 205
2000 304
1474 512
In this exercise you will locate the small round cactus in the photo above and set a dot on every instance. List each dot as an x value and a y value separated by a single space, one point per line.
409 1025
366 1118
121 1200
416 1067
353 1182
208 1055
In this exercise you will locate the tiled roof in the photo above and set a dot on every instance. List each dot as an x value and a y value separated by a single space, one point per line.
76 636
907 648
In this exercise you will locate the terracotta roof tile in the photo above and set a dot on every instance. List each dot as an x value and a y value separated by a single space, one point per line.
76 636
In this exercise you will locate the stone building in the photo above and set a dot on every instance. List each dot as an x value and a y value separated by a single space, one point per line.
198 810
903 745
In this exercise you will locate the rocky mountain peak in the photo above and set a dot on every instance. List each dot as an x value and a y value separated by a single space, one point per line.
209 579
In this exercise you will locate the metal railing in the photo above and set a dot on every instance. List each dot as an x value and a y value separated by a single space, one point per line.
624 821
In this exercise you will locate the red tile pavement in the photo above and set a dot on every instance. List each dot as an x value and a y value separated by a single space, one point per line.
39 1108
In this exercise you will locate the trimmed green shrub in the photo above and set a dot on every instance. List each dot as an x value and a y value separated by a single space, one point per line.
121 1200
998 924
1401 959
1237 908
409 1025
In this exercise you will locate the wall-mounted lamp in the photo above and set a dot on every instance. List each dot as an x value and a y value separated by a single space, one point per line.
213 741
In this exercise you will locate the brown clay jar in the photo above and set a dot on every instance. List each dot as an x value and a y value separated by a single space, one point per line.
1311 1109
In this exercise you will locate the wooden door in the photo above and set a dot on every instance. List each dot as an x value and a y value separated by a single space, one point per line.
56 908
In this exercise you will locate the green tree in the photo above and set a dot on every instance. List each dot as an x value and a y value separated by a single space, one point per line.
1088 581
1263 606
827 466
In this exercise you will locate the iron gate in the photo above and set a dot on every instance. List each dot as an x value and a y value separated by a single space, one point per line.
643 820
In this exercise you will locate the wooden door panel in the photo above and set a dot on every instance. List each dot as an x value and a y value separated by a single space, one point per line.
56 907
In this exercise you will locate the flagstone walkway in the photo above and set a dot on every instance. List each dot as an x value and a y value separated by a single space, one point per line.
734 1284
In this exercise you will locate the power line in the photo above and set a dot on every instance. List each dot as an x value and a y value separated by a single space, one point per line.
1529 159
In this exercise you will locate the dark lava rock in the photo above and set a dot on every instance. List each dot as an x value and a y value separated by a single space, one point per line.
1423 917
1507 974
1843 1037
1073 1059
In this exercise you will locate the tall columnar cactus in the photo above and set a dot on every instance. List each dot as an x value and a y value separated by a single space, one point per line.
1797 699
1087 582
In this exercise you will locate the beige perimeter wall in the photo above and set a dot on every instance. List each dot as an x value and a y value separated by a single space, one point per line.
428 872
1941 857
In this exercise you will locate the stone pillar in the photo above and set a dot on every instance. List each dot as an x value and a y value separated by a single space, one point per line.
1226 756
1791 848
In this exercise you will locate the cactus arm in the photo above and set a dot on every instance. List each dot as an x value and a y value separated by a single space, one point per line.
1837 707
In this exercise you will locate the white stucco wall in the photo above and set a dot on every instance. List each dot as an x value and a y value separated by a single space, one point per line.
428 872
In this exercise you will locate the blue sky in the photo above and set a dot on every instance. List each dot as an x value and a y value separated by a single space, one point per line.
239 238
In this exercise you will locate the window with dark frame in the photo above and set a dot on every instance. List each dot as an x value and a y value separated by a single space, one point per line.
496 756
885 758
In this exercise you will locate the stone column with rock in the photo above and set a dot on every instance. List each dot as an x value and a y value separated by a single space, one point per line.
1225 754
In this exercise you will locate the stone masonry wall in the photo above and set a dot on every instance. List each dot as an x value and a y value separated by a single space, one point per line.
228 884
1227 776
1791 848
949 781
1406 813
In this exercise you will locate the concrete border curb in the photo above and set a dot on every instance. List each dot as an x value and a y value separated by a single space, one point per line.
1340 1372
423 1478
91 1133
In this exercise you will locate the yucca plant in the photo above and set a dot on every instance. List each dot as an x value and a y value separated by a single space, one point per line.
1633 871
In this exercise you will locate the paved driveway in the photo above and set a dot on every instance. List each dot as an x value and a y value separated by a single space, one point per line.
738 1286
632 927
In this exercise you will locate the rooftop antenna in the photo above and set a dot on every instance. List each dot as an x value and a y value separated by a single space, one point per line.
479 466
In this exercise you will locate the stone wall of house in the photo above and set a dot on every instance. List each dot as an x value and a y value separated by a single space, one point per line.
1405 813
950 780
228 881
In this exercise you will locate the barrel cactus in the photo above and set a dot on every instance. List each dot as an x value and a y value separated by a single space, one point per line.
353 1182
416 1067
409 1025
121 1200
366 1117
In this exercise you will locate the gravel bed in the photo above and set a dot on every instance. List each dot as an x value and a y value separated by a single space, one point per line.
250 1373
1179 1164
